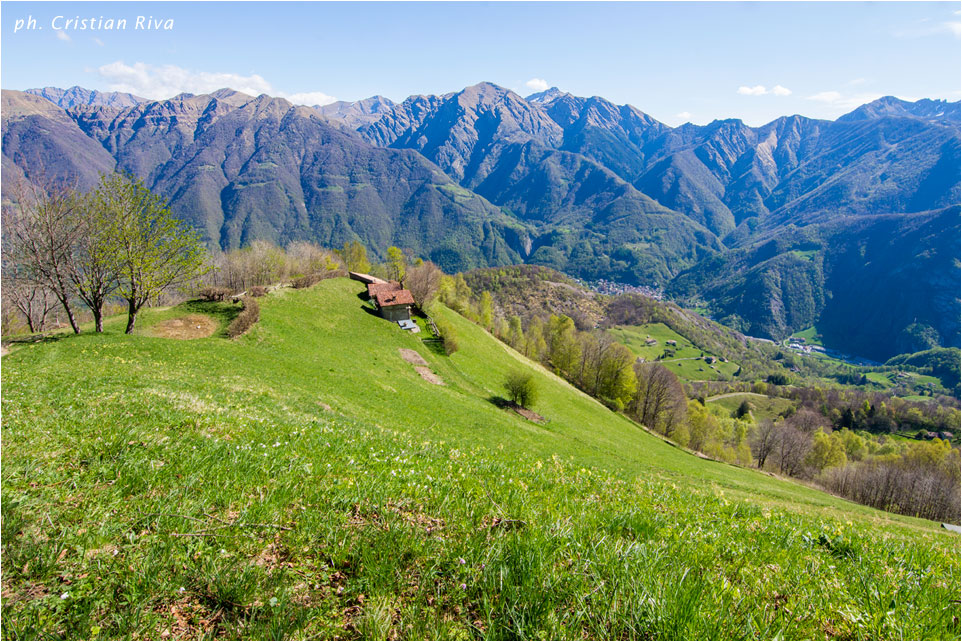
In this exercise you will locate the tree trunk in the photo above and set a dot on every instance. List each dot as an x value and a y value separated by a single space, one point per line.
70 315
99 319
131 316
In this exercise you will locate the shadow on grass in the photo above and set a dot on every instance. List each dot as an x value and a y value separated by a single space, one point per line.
435 345
42 337
501 402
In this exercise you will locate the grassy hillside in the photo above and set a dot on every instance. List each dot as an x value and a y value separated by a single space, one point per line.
684 358
762 407
305 481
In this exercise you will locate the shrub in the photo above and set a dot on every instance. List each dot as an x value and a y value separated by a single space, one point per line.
449 336
744 408
246 319
306 281
521 387
214 294
257 291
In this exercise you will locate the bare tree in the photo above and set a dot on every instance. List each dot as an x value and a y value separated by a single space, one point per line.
304 257
423 281
659 398
792 445
763 441
808 420
33 301
42 229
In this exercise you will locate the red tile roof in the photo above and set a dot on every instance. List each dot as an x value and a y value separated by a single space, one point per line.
396 297
374 288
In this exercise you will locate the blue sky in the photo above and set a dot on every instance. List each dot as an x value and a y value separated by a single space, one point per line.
676 61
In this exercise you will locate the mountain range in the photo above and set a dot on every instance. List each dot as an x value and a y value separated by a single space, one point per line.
764 226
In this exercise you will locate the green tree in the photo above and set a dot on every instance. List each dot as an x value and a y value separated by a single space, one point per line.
95 269
354 256
521 388
743 410
535 346
396 263
827 451
153 250
486 310
615 380
564 346
515 333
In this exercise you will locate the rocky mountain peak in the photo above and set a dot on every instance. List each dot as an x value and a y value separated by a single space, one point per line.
546 96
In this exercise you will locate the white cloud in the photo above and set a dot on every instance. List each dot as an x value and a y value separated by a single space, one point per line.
857 81
165 81
309 98
826 97
953 28
836 99
684 116
757 90
99 42
62 35
537 84
778 90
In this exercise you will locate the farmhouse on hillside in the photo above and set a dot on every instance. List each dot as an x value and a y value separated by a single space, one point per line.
394 305
392 301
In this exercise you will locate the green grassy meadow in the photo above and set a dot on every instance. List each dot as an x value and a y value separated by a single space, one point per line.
763 407
811 336
688 360
304 481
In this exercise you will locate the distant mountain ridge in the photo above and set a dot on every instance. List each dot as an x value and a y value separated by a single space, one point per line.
78 96
925 109
756 223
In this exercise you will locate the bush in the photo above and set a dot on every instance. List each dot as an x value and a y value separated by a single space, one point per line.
214 294
246 319
257 291
308 280
305 281
521 387
449 336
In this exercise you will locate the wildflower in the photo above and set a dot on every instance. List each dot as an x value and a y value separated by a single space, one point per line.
464 586
65 596
461 560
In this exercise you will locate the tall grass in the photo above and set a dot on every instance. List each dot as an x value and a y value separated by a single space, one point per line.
304 481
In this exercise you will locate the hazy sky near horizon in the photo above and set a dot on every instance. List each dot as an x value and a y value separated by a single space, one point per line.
677 61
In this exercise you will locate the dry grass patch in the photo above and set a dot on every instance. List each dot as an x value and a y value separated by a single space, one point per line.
412 357
192 326
429 376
